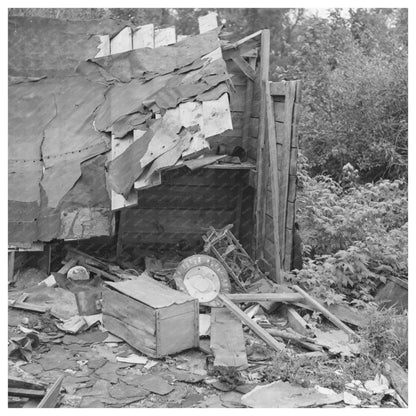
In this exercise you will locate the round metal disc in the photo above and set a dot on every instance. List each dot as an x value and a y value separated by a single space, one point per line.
202 277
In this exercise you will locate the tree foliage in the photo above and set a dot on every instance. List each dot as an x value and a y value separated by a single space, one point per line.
353 66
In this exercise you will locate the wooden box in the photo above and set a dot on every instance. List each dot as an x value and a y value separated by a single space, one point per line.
151 317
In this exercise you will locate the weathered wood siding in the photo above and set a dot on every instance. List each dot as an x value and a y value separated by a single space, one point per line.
184 207
287 106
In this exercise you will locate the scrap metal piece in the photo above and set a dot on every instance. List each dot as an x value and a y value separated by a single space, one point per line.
203 277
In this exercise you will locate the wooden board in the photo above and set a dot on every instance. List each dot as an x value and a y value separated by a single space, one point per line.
122 42
207 22
144 37
51 397
104 46
275 184
262 160
165 37
248 122
286 150
265 297
227 340
150 292
297 323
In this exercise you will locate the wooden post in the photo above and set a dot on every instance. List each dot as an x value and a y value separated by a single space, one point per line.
271 133
261 165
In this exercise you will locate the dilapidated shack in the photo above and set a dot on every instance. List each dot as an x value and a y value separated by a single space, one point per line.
148 137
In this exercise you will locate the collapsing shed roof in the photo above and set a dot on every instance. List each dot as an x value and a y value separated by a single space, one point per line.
172 96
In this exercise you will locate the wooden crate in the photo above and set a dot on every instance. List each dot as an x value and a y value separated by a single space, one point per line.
151 317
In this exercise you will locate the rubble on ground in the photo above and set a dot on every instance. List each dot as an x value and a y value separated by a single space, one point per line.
243 355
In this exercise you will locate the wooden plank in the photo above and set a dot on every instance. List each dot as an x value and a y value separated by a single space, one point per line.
216 116
246 69
165 37
227 340
144 37
207 22
20 392
296 118
122 42
286 147
325 312
400 282
247 120
26 247
10 258
14 382
178 332
277 88
257 329
291 197
297 323
274 182
129 334
261 165
245 39
51 397
104 46
287 261
279 111
151 293
139 317
265 297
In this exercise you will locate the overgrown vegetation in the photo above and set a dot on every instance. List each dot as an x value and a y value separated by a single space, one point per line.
354 235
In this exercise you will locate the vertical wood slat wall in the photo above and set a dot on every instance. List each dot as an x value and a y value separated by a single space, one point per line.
287 106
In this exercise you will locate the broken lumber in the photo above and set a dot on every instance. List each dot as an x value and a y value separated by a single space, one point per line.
305 342
17 383
398 378
51 397
325 312
343 312
30 393
257 329
227 340
297 323
265 297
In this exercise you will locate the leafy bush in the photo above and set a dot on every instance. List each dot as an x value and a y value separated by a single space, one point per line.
354 236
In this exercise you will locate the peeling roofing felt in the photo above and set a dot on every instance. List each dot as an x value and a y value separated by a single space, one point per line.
64 105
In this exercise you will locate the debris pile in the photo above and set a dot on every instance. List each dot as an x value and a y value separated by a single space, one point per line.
124 338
